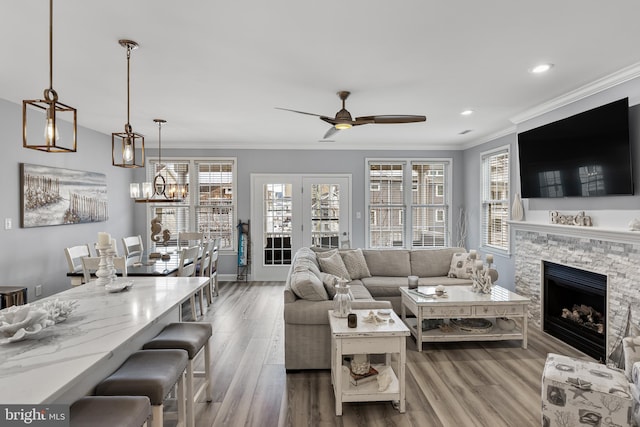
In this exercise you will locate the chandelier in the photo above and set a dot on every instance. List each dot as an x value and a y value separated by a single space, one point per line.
166 186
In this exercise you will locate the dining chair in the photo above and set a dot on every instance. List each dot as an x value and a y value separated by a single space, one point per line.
74 256
91 264
189 238
187 268
133 249
204 270
213 282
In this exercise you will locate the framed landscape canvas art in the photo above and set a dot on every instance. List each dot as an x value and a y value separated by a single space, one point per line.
56 196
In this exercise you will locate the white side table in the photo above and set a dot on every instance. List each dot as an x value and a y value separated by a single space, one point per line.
367 338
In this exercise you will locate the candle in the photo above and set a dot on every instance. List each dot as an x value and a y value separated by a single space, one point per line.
489 258
413 282
104 239
113 245
479 265
472 254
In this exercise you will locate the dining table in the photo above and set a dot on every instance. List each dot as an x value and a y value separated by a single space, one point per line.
66 360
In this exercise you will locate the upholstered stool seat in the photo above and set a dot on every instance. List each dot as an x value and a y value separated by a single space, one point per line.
193 337
151 373
110 411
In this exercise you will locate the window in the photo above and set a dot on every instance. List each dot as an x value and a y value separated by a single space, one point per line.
210 209
409 205
495 199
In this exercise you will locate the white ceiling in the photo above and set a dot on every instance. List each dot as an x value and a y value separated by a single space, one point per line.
216 70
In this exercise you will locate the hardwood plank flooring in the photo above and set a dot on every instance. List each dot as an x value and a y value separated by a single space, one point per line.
448 384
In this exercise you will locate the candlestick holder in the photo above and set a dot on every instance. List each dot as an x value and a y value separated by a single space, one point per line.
104 270
110 254
480 278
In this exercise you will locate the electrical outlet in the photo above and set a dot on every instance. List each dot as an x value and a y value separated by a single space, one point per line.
8 224
38 290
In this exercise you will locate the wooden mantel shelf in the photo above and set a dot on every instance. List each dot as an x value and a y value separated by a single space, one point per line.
596 233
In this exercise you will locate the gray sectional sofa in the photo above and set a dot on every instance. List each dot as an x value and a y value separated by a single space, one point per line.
308 296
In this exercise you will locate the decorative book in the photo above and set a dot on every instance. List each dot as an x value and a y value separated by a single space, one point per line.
357 379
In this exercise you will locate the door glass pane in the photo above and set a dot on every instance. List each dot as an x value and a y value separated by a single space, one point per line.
277 224
325 215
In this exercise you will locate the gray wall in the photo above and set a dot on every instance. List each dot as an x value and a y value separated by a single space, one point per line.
35 256
608 212
306 162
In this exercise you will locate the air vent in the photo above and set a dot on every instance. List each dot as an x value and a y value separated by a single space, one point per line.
464 132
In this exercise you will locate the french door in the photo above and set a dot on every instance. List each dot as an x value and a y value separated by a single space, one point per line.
291 211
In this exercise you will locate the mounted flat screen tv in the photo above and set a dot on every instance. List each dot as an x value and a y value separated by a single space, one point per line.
585 155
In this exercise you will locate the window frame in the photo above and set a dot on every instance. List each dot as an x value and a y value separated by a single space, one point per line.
194 198
408 190
484 202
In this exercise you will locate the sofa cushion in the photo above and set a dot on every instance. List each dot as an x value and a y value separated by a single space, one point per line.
331 262
388 262
432 262
382 286
306 285
461 265
356 264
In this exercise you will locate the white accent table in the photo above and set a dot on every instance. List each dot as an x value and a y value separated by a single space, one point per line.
68 359
367 338
462 303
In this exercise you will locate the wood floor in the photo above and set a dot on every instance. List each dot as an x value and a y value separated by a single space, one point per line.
450 384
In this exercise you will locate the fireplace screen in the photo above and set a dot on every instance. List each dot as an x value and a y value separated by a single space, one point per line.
574 308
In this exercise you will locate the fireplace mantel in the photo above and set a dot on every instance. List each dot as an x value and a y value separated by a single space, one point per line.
597 233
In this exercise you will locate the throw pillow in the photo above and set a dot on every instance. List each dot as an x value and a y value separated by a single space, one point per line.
331 262
355 263
307 285
461 266
631 346
329 281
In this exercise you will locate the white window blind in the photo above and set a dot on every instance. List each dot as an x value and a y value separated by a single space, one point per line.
386 204
495 199
429 204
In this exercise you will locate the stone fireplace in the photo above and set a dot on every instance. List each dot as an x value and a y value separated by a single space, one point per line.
614 255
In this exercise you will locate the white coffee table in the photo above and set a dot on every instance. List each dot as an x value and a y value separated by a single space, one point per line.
462 303
367 338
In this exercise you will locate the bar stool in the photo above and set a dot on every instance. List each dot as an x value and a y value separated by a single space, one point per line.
151 373
194 338
110 411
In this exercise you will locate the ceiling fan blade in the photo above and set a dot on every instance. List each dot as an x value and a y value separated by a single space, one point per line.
332 130
299 112
387 119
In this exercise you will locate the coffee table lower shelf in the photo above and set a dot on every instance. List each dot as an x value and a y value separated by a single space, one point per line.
437 335
368 392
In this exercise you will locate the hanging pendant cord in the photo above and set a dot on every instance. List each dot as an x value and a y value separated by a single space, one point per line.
128 89
50 44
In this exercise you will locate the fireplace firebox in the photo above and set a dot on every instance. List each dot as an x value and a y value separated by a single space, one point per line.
574 307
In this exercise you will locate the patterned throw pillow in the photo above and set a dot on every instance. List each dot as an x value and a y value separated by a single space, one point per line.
631 346
461 266
331 262
355 263
329 281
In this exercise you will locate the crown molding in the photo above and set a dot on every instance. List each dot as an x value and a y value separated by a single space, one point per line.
621 76
491 137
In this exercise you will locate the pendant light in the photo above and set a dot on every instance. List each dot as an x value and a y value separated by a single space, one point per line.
124 144
55 140
161 190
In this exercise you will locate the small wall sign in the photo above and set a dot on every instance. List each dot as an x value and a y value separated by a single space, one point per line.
580 219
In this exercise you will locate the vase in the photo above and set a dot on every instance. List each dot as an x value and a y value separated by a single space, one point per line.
342 301
517 211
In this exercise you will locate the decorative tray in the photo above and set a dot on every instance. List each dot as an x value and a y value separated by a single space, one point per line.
476 326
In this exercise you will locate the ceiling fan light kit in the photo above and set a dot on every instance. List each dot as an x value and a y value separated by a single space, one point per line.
51 110
343 119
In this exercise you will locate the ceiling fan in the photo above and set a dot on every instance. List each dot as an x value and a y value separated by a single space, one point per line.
343 119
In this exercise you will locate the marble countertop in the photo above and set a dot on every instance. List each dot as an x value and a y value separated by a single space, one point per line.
98 335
